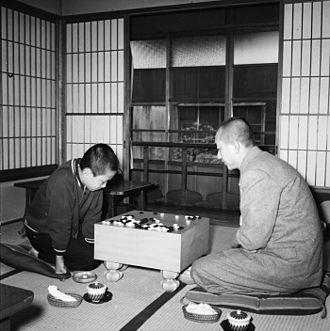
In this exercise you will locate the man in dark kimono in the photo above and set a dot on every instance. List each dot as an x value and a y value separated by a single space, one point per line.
60 222
278 246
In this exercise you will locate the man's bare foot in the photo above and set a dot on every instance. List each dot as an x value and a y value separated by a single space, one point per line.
186 278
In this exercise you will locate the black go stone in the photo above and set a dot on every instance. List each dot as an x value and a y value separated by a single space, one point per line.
143 221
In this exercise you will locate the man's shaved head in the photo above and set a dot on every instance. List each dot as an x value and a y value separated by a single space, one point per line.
236 129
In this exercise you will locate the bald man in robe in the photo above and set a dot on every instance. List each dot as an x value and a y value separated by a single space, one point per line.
278 246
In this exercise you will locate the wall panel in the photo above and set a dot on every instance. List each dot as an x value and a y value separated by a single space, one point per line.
28 90
304 118
94 86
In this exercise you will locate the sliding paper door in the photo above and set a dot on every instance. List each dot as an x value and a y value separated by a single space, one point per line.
28 122
305 115
94 85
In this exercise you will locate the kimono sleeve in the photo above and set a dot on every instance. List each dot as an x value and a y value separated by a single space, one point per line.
60 213
260 197
93 215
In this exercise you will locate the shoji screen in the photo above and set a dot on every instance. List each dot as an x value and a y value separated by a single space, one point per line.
305 115
28 115
95 85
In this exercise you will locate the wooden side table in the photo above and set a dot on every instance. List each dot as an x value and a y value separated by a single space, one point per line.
12 300
113 195
31 188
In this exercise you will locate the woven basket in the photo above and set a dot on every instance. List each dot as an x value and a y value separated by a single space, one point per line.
200 317
64 304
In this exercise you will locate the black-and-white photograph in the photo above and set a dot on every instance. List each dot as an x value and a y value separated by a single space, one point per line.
165 165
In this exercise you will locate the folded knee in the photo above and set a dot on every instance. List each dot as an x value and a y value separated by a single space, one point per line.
198 267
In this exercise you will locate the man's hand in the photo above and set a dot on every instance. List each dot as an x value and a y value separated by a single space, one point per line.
60 267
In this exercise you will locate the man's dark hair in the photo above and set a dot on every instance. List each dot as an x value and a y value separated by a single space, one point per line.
98 158
237 129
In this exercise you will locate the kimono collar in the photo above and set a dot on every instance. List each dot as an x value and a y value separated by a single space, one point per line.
75 172
251 154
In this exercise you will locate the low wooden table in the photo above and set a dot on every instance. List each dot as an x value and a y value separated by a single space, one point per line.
31 187
112 195
12 300
116 193
171 252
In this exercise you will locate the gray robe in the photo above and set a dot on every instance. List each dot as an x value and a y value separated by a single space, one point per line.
280 234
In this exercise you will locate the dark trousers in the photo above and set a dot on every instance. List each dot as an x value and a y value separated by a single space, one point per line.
78 256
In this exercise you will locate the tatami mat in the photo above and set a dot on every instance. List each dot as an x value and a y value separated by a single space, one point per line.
170 318
131 294
138 289
9 234
4 269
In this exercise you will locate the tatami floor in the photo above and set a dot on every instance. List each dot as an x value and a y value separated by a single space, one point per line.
10 231
138 302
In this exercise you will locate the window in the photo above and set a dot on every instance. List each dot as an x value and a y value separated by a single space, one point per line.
205 66
255 83
197 124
